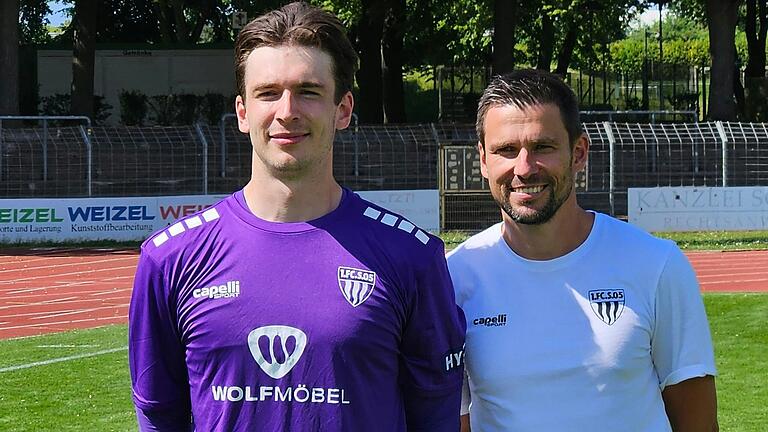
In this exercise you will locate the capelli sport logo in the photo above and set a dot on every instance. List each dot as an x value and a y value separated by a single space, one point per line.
491 321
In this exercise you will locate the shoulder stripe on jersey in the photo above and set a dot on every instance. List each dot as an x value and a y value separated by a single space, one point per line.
210 214
422 237
193 222
404 225
389 219
160 238
176 229
372 213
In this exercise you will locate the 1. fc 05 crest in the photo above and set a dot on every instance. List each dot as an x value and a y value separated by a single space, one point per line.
608 304
356 284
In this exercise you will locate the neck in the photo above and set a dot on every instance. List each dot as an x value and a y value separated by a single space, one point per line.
567 230
291 200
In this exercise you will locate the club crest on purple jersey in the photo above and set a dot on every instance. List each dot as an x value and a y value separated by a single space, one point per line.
356 285
271 348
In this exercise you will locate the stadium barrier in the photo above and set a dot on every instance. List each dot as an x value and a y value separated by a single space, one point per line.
203 159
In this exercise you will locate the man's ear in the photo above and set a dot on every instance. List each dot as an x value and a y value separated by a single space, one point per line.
344 111
242 120
580 153
483 166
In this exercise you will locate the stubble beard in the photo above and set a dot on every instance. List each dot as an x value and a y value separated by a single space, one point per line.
535 217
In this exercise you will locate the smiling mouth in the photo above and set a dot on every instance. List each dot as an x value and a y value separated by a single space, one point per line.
529 189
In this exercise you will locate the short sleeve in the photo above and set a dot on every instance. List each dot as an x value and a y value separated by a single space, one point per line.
432 354
466 396
155 352
681 346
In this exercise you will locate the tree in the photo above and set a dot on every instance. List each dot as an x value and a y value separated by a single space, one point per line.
504 23
721 19
9 57
756 27
369 75
83 57
392 66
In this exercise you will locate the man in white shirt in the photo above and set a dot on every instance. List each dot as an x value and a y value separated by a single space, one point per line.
575 321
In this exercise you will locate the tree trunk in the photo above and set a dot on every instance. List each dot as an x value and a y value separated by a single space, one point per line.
566 49
83 57
754 104
721 19
392 72
504 22
369 75
9 57
546 43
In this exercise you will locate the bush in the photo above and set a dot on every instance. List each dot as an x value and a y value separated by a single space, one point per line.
60 105
133 107
213 106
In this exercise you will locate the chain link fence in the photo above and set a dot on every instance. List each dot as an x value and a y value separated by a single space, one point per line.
77 161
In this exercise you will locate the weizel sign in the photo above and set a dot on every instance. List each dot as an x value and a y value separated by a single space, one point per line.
699 208
135 218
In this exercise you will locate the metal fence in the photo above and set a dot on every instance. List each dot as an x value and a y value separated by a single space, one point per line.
75 161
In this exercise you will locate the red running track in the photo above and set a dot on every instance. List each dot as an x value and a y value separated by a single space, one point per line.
52 290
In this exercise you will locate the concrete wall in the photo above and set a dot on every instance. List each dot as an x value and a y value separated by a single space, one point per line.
152 72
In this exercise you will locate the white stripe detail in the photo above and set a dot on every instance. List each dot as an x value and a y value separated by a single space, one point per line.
176 229
372 213
193 222
160 238
406 226
210 214
422 237
61 359
389 219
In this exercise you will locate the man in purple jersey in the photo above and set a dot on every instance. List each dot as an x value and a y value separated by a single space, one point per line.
294 305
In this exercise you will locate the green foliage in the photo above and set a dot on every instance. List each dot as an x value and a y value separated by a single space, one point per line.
133 107
213 105
32 22
186 109
59 105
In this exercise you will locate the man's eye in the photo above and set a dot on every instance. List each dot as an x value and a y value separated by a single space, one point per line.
267 94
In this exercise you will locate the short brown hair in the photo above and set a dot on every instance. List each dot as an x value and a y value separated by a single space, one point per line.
527 87
299 24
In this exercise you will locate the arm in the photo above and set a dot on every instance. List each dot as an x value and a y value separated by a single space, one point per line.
692 405
681 348
156 355
465 423
432 354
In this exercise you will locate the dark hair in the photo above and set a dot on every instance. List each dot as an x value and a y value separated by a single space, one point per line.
299 24
527 87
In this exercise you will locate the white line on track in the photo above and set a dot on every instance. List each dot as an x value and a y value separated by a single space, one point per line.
71 312
67 346
51 314
77 302
81 263
60 359
79 273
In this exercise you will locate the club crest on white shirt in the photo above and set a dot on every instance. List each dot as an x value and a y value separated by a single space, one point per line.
356 284
607 304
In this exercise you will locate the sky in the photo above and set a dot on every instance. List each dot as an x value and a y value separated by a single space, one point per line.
58 16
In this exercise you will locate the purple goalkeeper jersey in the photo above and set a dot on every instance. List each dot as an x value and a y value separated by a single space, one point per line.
343 323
